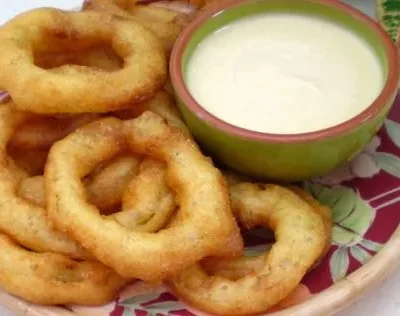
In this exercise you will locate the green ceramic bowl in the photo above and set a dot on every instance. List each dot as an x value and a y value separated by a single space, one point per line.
283 157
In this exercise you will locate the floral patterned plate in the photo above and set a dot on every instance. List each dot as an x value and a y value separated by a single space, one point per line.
365 198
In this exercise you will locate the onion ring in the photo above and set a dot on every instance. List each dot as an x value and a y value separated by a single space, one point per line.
32 190
238 268
164 22
233 269
53 279
78 89
105 186
203 227
41 132
147 202
116 7
301 239
23 221
163 104
324 211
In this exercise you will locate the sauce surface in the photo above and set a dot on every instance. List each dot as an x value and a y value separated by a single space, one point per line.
284 73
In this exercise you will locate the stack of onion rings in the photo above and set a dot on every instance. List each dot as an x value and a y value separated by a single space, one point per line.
203 213
57 280
21 220
102 183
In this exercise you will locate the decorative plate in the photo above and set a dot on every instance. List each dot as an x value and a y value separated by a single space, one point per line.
364 195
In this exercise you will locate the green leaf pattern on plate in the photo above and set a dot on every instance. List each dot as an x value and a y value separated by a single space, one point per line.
137 301
361 255
161 308
388 163
352 217
127 312
141 302
393 130
339 264
371 245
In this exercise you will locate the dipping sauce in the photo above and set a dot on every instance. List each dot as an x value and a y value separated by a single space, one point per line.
284 73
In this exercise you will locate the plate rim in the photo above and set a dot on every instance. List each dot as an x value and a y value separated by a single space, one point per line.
354 285
327 302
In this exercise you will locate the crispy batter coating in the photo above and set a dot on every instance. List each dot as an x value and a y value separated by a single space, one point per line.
165 23
20 219
300 240
147 202
53 279
77 89
164 105
203 227
238 268
32 189
104 187
41 132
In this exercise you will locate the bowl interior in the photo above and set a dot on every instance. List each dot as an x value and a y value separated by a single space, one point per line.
323 9
339 13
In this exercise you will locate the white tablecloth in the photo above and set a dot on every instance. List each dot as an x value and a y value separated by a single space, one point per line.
384 301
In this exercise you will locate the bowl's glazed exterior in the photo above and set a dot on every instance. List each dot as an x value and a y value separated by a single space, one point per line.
284 157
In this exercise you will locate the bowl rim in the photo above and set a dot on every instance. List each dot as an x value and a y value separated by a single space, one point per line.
371 111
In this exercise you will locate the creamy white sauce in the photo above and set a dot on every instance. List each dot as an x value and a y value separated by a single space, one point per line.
284 73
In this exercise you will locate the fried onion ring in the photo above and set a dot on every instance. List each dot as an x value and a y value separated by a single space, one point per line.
147 202
41 132
238 268
116 7
105 186
76 88
163 104
32 189
23 221
301 239
233 269
203 227
324 211
53 279
165 23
